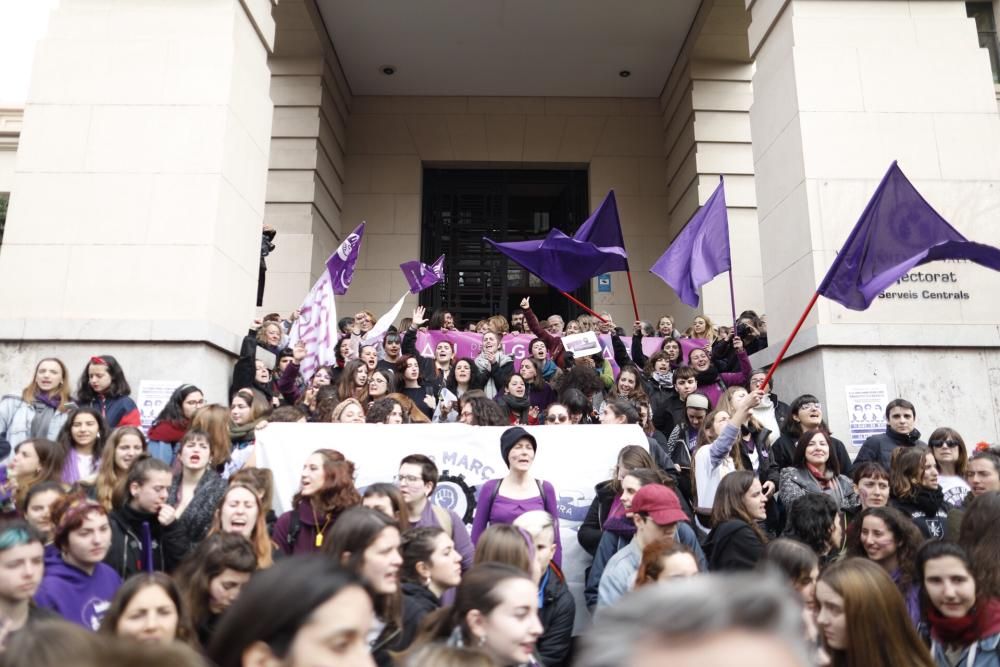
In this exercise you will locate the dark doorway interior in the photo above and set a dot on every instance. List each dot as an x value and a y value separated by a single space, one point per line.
461 206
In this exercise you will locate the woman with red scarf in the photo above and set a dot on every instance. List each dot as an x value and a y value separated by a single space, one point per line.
964 621
174 421
815 469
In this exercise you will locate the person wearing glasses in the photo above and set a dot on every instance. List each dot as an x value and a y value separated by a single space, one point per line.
417 480
952 460
557 414
806 414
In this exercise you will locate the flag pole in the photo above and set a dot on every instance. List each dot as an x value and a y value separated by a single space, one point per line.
791 337
732 298
581 304
631 290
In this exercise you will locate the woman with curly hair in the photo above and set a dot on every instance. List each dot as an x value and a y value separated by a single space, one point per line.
887 537
326 491
387 410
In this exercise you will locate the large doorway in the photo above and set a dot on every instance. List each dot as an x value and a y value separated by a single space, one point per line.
461 206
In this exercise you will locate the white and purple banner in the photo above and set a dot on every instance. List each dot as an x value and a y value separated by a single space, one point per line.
572 458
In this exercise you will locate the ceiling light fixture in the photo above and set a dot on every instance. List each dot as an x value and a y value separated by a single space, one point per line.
624 74
388 70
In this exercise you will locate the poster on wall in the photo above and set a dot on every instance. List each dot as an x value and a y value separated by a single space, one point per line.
866 411
153 395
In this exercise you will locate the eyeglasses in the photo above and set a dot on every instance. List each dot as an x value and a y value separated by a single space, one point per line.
552 419
409 479
946 443
811 406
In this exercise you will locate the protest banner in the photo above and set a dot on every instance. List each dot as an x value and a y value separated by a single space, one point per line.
468 344
572 458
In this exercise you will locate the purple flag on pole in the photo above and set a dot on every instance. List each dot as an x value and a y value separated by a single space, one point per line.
700 252
567 262
341 263
420 276
316 326
897 231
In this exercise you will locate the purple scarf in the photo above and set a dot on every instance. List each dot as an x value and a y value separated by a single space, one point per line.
617 522
51 401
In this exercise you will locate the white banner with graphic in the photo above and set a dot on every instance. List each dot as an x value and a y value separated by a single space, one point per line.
572 458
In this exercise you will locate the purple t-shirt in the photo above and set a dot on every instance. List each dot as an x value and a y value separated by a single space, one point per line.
505 510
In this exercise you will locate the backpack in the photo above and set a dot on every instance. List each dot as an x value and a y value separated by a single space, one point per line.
496 491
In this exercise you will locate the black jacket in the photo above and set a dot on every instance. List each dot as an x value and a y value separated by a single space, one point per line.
589 534
783 450
197 516
418 601
659 397
879 447
928 511
732 545
126 554
556 614
428 367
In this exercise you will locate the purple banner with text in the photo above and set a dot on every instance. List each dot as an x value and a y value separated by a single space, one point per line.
468 344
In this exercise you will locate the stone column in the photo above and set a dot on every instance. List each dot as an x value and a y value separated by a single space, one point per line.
134 224
841 89
706 104
305 183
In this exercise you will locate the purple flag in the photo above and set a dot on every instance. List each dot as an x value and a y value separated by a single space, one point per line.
341 263
567 262
316 326
700 252
420 276
897 231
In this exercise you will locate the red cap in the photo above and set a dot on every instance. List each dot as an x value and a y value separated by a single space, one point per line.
659 503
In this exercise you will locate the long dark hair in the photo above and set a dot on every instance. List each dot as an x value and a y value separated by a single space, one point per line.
416 546
475 377
478 590
216 554
173 410
729 505
51 458
354 531
981 540
289 592
799 455
65 437
907 536
119 385
132 586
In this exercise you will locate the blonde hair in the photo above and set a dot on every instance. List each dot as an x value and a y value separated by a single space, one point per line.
31 392
534 522
339 410
259 538
110 484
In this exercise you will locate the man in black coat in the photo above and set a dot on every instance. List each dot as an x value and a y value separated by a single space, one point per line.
900 431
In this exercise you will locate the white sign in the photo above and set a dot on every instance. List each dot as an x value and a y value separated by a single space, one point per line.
153 395
572 458
866 410
582 344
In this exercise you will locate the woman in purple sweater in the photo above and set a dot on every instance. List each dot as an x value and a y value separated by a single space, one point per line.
503 500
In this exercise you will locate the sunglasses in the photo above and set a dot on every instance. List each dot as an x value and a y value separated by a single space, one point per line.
552 419
945 443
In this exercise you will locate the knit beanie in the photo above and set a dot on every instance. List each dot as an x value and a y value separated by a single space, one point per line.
510 438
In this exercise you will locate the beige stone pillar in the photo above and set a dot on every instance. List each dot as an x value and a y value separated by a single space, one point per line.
706 105
139 190
841 89
305 192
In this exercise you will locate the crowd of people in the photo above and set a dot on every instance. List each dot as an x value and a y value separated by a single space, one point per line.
742 529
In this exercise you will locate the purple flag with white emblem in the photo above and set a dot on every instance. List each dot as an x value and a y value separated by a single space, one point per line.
316 326
341 263
898 231
420 276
